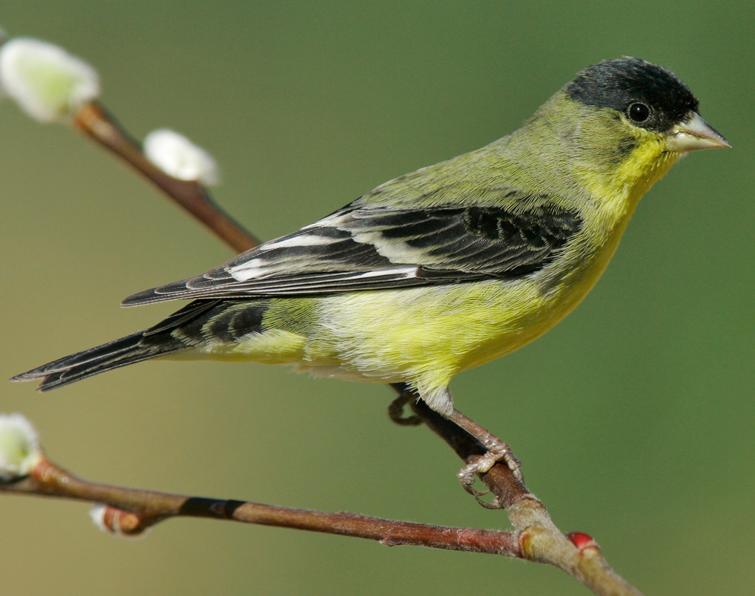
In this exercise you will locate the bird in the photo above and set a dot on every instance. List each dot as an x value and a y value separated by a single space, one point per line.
442 269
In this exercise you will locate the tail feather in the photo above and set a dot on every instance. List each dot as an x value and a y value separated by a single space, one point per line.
110 348
114 354
185 329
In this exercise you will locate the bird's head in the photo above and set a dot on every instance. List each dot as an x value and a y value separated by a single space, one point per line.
648 102
624 122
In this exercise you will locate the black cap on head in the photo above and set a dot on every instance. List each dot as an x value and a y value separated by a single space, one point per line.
624 82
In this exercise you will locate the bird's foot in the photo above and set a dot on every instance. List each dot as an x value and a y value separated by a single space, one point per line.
481 464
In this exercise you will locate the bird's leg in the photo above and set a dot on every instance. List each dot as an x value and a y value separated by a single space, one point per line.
495 451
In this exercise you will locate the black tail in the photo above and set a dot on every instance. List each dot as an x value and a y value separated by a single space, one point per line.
114 354
196 323
143 345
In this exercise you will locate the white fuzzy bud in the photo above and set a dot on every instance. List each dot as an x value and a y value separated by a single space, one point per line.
97 515
19 447
47 82
177 156
108 519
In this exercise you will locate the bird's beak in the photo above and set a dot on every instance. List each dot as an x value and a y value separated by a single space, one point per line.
693 134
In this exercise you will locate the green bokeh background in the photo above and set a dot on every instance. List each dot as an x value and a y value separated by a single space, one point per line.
634 418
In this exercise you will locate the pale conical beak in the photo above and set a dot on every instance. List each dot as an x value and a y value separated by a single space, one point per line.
694 134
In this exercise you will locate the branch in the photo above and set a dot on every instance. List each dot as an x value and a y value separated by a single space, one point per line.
99 125
131 511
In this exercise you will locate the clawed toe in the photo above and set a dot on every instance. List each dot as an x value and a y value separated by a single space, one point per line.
481 465
467 476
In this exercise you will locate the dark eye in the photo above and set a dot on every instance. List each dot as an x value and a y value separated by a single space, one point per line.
638 112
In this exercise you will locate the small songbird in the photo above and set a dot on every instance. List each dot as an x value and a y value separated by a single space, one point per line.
442 269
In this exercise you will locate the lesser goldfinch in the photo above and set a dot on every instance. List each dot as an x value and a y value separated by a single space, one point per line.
442 269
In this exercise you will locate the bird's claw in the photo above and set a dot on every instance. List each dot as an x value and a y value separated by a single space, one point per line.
481 465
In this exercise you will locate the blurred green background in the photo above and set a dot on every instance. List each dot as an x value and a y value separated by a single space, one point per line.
634 418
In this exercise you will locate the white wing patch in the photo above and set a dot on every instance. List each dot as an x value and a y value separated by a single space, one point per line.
249 270
400 272
393 250
300 240
261 267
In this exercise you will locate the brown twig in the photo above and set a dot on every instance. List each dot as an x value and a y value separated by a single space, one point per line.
132 511
535 536
99 125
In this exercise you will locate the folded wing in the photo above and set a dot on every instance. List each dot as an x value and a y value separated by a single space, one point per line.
362 248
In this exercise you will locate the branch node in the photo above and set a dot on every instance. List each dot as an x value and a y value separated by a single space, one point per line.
44 471
119 522
582 541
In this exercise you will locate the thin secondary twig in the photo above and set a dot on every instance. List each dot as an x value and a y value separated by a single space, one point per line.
535 536
97 123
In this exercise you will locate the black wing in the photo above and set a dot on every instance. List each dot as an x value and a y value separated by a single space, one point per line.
361 248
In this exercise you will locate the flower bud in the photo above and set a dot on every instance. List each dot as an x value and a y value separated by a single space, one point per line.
19 447
116 521
177 156
47 82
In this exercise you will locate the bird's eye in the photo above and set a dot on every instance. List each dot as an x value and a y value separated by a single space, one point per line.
638 112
